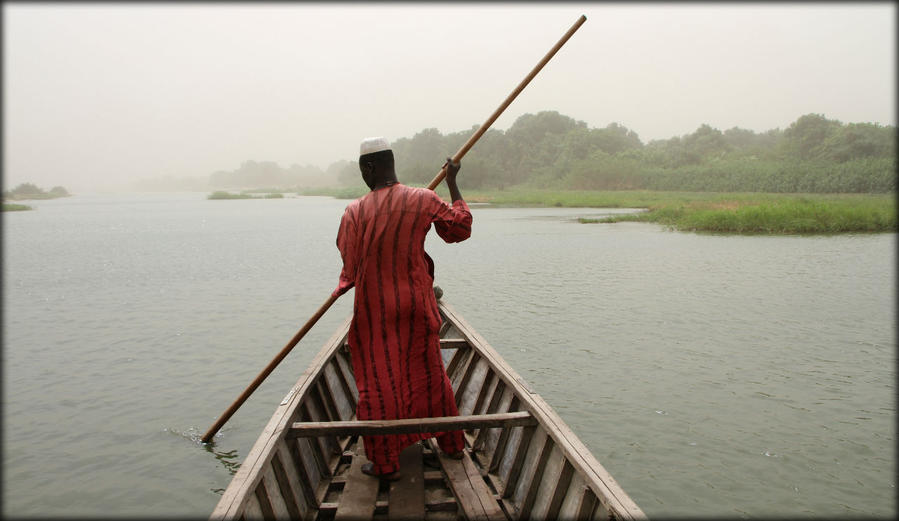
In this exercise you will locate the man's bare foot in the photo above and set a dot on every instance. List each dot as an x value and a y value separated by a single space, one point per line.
457 455
369 468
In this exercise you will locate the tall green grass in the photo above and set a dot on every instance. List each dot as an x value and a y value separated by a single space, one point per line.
743 213
718 212
219 194
792 217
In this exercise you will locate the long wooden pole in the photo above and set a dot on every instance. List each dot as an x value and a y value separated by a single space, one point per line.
434 183
508 101
267 371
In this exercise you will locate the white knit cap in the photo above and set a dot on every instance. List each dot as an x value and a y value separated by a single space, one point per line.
370 145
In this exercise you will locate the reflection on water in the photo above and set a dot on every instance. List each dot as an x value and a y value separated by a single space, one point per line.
704 372
230 459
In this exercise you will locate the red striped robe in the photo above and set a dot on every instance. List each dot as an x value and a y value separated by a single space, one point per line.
393 337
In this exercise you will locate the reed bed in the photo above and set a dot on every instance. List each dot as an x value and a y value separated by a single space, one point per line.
9 207
742 213
717 212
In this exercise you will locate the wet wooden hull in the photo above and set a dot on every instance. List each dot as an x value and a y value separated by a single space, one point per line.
521 460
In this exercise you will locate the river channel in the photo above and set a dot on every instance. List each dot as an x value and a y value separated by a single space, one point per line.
711 375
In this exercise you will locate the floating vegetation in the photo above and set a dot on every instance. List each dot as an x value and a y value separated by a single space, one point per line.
9 207
221 194
742 213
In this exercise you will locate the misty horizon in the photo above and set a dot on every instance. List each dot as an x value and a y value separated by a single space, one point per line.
98 97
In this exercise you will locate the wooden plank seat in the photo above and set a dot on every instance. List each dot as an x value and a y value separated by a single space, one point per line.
410 425
454 343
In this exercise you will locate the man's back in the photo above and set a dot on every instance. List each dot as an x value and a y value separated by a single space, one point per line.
393 337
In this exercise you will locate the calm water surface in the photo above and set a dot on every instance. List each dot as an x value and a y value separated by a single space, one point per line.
711 375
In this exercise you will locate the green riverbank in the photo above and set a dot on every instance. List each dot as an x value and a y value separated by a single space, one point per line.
7 207
246 194
743 213
716 212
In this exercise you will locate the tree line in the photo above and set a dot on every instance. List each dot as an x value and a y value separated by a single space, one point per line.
32 191
548 150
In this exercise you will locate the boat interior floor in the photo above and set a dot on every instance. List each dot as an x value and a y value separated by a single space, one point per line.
432 486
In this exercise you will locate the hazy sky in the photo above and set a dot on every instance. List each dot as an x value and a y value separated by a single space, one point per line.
96 96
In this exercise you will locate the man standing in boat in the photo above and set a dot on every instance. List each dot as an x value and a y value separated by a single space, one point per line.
394 335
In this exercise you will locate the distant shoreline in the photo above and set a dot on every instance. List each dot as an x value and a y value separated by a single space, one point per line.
745 213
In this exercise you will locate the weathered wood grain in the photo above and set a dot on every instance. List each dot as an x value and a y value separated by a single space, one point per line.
289 482
407 496
360 492
535 465
472 494
409 425
249 474
273 491
607 490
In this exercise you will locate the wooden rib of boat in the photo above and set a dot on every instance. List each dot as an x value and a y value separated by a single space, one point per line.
521 461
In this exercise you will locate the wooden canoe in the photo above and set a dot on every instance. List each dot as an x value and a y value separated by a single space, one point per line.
521 460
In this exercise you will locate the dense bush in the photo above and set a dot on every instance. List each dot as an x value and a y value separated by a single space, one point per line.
549 150
552 151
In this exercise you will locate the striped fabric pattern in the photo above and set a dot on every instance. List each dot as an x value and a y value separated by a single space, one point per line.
393 337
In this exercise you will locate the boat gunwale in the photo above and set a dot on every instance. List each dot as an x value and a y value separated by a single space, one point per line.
608 492
604 486
233 501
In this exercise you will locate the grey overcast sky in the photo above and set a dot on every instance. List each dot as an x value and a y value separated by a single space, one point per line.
96 96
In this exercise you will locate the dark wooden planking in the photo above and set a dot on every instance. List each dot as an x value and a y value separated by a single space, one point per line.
563 487
275 498
444 328
510 480
252 510
360 492
304 460
496 395
488 440
291 454
407 496
318 451
591 493
472 494
485 495
487 387
262 499
453 343
472 386
346 376
289 482
331 414
587 506
499 451
534 479
607 490
340 393
249 475
464 373
548 485
573 498
459 356
409 425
